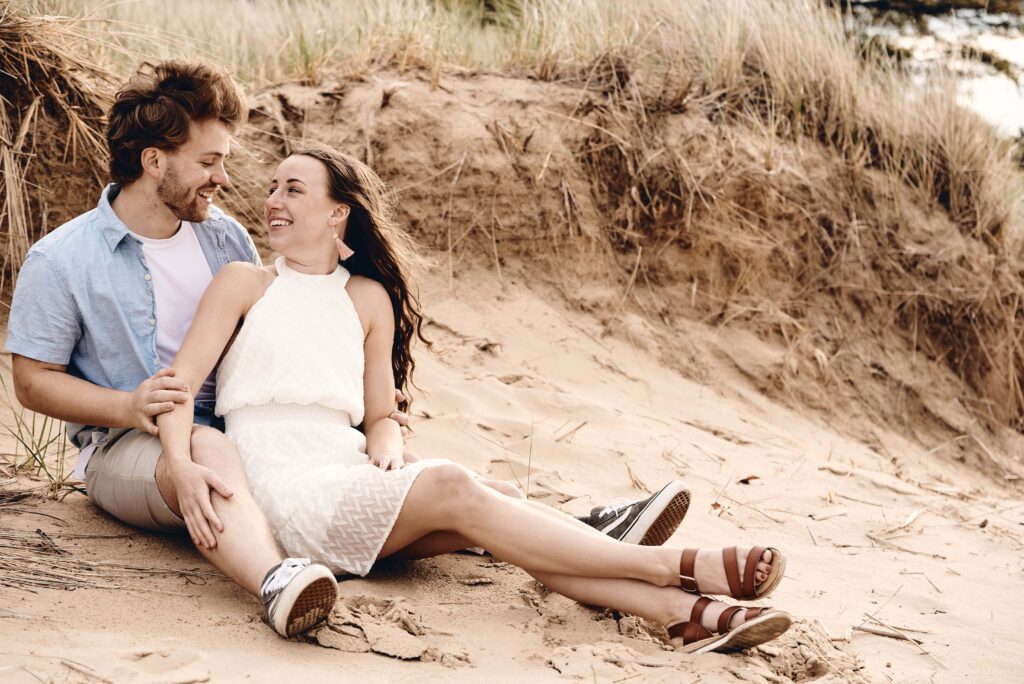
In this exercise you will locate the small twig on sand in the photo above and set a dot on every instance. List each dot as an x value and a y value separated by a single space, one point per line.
992 457
632 661
906 572
812 536
869 503
901 635
882 631
636 482
906 523
568 435
886 542
753 508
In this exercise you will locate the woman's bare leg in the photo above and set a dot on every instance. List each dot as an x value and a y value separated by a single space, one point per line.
663 605
449 499
438 543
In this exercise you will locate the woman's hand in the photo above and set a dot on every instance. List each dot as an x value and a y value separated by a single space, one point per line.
193 484
387 461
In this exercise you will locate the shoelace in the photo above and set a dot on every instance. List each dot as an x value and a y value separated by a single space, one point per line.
284 574
615 506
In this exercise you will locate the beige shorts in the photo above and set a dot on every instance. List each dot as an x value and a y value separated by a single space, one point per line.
121 479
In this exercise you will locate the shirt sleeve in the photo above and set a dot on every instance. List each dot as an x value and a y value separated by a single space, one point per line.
45 324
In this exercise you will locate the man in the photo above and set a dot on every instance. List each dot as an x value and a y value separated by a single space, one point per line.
104 302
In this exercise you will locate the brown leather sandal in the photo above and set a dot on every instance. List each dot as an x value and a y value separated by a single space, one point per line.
742 588
760 625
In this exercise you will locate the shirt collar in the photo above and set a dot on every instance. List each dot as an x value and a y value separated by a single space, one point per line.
114 229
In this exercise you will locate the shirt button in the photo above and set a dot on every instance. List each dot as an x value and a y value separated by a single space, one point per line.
148 277
152 321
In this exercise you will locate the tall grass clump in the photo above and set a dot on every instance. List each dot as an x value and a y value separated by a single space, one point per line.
51 108
42 441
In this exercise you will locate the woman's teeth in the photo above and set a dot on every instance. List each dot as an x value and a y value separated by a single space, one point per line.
280 222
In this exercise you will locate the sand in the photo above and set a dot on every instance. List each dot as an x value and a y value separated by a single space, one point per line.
532 390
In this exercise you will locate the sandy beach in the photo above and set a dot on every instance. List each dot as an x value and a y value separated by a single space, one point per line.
527 390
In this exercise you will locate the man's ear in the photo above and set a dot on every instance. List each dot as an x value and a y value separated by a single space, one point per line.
339 215
153 161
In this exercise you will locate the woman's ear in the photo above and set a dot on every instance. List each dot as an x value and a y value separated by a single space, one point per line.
339 216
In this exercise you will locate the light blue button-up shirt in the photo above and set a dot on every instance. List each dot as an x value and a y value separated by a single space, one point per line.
84 299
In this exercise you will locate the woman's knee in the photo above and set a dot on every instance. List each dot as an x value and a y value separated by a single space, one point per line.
454 486
506 488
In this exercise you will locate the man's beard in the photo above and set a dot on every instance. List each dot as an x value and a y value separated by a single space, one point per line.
183 202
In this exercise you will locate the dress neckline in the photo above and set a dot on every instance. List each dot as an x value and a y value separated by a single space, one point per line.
339 273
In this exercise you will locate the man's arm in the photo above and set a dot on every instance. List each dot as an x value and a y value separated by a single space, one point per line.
48 389
43 330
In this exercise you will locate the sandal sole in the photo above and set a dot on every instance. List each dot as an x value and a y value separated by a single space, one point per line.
755 632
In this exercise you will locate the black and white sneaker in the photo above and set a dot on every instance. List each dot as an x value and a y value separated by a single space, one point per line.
297 594
649 522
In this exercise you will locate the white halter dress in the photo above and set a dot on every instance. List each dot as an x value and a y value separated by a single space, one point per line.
290 389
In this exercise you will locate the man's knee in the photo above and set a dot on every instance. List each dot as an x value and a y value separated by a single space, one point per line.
213 450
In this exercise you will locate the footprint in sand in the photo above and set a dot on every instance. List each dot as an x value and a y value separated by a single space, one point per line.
160 667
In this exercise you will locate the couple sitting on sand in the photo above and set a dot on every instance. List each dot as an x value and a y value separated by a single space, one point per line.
121 315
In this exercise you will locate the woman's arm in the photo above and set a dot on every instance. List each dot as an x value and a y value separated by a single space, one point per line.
383 435
229 297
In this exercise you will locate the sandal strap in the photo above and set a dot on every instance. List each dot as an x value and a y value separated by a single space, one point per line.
694 631
730 559
687 576
689 631
726 617
753 558
754 612
697 612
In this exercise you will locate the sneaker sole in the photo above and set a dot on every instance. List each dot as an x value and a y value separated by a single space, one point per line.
312 605
661 518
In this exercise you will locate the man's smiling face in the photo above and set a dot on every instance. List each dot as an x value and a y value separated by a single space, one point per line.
195 170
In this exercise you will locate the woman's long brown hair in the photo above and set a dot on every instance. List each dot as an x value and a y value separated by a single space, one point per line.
383 251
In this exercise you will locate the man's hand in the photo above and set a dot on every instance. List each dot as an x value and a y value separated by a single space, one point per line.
193 483
157 394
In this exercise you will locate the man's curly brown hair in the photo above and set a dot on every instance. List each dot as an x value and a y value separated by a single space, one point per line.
155 107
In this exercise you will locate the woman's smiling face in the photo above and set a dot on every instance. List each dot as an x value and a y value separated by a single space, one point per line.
299 209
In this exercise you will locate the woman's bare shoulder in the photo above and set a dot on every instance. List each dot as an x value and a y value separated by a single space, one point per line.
241 282
242 271
371 301
367 290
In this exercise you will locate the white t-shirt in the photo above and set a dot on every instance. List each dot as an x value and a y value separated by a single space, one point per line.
180 274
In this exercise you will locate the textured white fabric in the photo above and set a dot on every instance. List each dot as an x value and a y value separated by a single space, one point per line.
179 274
290 390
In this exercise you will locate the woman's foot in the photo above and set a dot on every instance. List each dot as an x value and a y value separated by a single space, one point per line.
742 572
716 626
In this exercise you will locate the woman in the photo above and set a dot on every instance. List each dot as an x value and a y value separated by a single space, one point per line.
321 350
